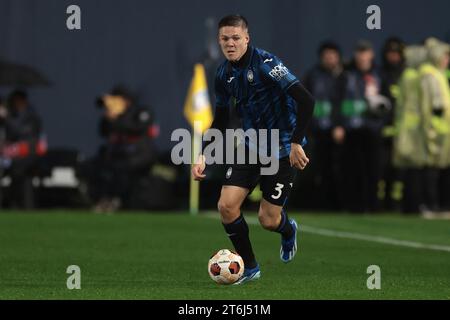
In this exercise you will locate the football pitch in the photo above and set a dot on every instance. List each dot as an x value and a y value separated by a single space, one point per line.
165 255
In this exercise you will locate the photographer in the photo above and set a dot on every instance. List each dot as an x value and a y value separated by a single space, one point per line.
128 152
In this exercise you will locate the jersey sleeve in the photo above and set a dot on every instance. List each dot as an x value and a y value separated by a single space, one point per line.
276 72
222 96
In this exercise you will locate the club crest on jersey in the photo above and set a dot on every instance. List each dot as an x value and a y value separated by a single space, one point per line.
229 171
250 76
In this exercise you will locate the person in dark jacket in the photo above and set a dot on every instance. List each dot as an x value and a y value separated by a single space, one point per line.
324 81
393 65
363 110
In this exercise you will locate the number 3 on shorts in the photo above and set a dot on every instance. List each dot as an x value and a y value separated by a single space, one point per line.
278 189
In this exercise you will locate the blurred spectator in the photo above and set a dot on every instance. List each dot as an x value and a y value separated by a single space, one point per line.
20 146
393 64
324 81
363 111
409 145
445 185
435 102
128 152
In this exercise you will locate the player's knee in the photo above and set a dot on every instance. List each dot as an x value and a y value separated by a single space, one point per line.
227 210
267 221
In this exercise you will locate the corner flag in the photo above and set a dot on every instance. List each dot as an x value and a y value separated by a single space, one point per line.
197 110
197 107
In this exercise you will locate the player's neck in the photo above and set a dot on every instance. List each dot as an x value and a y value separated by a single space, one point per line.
243 60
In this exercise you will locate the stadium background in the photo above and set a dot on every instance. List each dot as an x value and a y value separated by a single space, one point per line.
152 46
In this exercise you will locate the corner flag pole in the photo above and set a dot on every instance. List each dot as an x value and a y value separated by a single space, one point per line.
194 195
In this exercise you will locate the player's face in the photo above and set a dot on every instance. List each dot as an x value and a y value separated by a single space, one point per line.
233 42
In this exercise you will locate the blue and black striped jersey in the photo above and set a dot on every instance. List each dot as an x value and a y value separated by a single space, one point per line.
258 90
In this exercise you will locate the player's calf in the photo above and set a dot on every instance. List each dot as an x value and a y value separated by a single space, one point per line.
275 219
268 223
269 215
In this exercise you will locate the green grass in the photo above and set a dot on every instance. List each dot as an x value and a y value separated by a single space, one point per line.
164 256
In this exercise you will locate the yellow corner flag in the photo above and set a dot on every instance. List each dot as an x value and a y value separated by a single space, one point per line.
197 107
197 110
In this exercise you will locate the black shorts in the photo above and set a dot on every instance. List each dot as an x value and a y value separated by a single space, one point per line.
275 188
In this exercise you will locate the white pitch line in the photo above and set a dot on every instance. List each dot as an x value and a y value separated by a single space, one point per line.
359 236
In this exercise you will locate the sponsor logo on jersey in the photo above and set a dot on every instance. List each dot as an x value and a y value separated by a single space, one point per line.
229 80
278 72
268 60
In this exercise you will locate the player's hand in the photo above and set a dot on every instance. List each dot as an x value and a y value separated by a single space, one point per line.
297 157
198 168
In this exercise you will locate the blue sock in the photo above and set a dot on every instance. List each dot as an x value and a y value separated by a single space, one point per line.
285 228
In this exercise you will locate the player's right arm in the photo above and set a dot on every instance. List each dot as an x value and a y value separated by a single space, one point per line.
220 122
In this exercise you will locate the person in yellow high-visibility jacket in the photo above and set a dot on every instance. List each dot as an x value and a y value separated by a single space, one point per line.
409 147
409 144
435 104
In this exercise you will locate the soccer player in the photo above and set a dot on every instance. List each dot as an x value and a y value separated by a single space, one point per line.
266 95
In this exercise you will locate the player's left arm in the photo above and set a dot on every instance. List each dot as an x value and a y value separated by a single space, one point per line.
305 107
278 74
